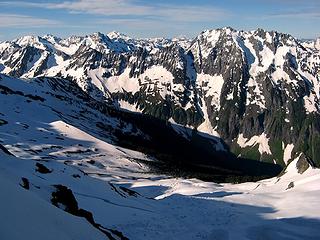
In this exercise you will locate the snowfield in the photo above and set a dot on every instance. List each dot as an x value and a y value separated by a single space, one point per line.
55 145
159 207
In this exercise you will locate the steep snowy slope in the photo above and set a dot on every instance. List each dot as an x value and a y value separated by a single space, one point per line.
27 216
257 90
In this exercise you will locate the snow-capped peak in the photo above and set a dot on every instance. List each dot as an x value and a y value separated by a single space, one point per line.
117 35
27 40
51 38
34 41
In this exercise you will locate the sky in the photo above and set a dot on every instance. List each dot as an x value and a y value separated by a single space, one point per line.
149 18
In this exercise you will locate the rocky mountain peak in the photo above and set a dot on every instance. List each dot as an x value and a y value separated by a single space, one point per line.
117 35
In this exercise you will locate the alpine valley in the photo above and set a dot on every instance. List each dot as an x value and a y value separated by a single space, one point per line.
111 137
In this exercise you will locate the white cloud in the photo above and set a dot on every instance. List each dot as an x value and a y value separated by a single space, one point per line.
125 8
300 14
104 7
22 21
191 13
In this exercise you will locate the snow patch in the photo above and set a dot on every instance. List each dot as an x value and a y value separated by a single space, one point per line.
262 140
288 153
212 86
310 103
129 107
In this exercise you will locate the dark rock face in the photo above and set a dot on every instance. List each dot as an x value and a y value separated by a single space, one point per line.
25 183
239 85
302 164
63 198
42 168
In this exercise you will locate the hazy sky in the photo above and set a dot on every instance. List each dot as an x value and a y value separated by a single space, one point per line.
148 18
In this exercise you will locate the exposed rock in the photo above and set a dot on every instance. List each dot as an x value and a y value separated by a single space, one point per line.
42 168
302 164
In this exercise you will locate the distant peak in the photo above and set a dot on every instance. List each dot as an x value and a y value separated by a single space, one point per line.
27 40
116 35
224 30
99 37
51 38
228 29
97 34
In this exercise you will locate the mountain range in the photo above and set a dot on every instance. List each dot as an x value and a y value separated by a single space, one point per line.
257 91
110 137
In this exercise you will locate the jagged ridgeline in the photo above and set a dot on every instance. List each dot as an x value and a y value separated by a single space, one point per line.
258 91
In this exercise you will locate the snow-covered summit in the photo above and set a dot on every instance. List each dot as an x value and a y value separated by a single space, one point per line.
118 35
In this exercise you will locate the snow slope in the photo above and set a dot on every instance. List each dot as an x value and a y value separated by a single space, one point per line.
27 216
124 198
162 208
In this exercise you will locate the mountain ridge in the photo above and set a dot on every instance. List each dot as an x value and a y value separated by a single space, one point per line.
257 90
